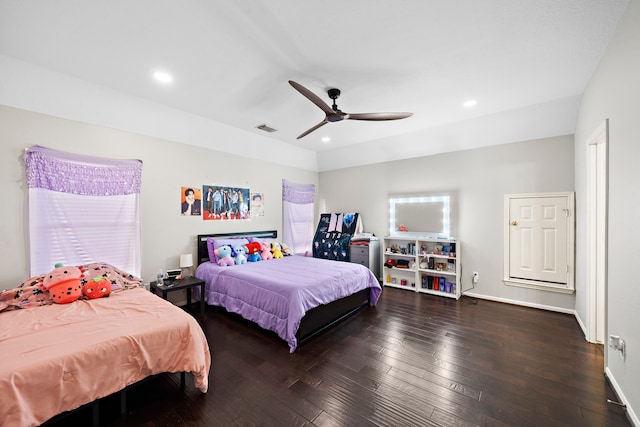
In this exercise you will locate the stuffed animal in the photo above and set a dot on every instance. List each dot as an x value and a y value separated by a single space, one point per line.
238 254
276 250
64 284
97 287
253 252
224 256
286 250
390 263
265 251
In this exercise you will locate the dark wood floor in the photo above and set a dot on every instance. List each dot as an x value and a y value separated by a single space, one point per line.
414 360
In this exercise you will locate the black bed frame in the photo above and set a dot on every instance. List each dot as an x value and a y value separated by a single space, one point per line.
316 320
95 408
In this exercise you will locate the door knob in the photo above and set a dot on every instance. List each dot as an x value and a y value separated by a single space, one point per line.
514 222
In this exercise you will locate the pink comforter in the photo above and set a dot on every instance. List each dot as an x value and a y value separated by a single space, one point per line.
58 357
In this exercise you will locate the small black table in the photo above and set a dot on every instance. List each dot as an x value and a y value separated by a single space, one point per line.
178 284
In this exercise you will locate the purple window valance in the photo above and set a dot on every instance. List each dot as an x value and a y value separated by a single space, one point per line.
83 175
300 194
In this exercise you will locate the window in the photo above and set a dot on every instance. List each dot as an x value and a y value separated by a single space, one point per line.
298 216
82 209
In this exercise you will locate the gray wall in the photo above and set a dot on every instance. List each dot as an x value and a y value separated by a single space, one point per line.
166 167
477 180
613 93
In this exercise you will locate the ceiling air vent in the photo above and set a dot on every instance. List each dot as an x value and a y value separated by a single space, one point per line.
266 128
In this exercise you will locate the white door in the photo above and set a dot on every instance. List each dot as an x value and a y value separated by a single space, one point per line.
538 239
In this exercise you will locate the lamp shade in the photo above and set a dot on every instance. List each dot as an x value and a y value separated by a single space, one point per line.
186 260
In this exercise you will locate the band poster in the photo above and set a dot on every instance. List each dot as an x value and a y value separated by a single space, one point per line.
225 203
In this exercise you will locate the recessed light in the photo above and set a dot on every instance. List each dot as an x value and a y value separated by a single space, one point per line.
470 103
326 139
162 77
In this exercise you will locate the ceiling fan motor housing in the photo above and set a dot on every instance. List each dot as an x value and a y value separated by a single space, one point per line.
334 94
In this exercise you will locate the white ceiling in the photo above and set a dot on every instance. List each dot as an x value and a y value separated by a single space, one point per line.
231 61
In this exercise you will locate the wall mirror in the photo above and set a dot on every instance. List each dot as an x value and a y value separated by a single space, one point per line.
419 216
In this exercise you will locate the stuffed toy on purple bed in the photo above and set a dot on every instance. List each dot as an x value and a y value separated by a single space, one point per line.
225 259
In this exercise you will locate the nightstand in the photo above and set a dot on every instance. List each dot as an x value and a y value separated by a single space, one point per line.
175 285
369 256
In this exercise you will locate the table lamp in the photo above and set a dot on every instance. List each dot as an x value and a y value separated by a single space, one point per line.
186 262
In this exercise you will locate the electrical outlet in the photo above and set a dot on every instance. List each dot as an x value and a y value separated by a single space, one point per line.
475 277
617 343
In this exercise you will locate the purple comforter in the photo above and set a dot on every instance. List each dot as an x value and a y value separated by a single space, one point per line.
277 293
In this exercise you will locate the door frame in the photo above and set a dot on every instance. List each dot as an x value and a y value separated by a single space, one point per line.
597 202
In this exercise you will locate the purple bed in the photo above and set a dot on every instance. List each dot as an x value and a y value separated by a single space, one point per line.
296 297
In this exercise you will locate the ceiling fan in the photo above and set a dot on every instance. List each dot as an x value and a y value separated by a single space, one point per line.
333 114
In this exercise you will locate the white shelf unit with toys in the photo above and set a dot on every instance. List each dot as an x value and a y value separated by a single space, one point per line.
422 264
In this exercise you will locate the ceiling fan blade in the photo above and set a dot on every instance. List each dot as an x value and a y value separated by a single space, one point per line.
322 123
312 97
379 116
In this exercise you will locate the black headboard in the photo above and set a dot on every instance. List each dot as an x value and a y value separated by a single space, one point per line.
203 251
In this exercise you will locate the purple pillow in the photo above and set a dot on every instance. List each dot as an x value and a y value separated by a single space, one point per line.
213 244
268 240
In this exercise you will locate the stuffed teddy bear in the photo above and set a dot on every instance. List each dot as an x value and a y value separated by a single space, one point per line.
253 252
224 256
64 284
97 287
286 250
276 250
265 251
238 254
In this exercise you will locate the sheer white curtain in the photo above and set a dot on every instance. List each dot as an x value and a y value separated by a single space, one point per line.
82 209
298 216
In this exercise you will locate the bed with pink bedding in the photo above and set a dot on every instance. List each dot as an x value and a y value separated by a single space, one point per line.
58 357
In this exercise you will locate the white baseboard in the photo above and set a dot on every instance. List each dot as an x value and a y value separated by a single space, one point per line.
583 327
633 418
522 303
